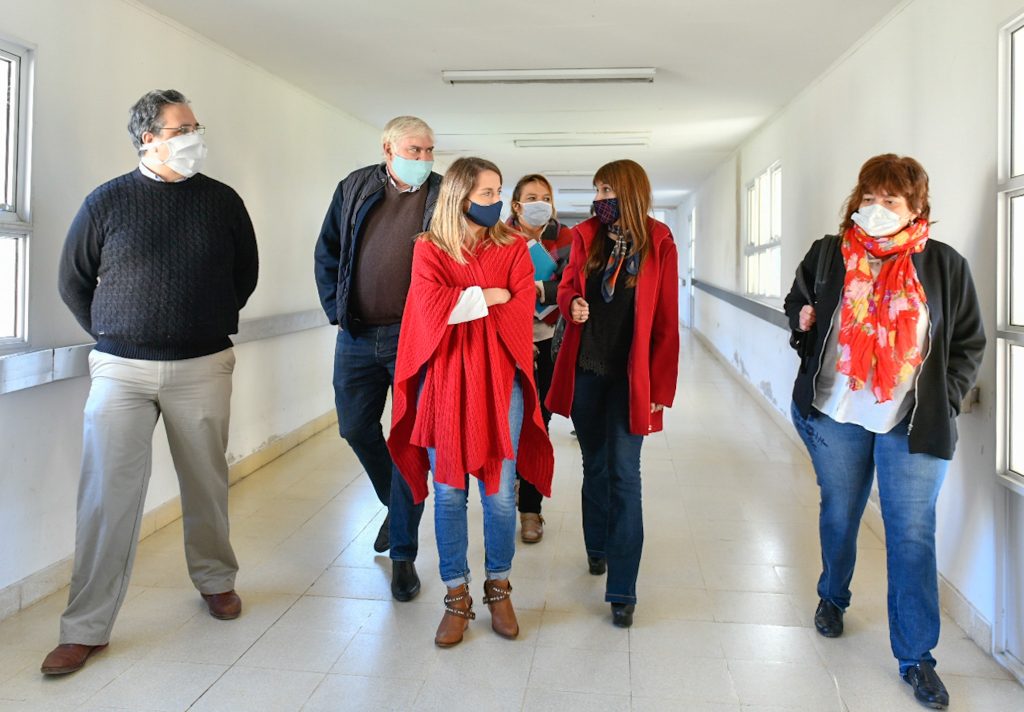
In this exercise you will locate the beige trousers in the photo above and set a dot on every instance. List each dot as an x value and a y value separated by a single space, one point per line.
126 398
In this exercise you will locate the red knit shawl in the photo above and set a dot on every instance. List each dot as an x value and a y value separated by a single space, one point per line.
468 369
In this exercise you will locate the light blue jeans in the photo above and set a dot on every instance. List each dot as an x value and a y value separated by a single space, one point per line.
450 524
845 458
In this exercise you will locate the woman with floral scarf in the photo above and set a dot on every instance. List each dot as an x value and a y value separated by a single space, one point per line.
889 327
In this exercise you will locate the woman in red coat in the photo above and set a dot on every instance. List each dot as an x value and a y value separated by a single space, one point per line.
465 402
617 366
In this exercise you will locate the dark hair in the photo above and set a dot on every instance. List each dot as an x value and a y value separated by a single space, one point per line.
633 189
896 175
144 116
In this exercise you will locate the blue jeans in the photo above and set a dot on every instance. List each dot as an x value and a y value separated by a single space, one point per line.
452 529
364 368
845 458
613 523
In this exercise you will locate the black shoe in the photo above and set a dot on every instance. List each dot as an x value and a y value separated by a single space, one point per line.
598 565
928 688
622 614
405 584
383 541
828 619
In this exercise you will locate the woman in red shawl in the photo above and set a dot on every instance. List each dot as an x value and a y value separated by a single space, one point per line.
465 402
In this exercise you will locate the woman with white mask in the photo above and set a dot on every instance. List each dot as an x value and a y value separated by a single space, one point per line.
534 217
888 326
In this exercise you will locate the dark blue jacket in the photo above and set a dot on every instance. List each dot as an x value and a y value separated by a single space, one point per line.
335 253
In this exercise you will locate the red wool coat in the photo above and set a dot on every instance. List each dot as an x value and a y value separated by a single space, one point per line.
467 371
654 355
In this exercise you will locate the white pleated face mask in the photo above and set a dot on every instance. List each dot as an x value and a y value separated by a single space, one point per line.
877 220
185 157
537 213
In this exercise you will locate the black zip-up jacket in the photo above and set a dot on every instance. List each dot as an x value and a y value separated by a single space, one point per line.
955 346
335 252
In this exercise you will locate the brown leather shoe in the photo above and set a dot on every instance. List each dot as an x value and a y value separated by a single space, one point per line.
225 606
458 612
531 527
68 657
503 617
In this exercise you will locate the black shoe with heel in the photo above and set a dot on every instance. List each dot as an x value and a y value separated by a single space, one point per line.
405 584
383 541
622 614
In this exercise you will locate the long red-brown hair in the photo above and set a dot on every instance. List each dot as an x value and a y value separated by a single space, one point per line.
896 175
633 189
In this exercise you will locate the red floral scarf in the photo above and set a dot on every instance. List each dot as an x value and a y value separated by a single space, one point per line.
878 328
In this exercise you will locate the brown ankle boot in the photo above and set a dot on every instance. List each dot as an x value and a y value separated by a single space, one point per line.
503 617
458 612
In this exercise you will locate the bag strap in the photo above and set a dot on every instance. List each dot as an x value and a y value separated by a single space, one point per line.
825 258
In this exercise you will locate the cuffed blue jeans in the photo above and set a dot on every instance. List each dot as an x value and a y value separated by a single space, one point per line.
364 369
613 525
845 458
450 522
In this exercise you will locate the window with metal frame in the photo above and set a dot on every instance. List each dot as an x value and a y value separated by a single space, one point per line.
762 247
15 225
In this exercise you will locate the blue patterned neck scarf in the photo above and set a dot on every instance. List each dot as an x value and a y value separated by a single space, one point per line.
620 256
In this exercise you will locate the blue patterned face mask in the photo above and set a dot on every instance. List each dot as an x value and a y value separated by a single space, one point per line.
484 215
410 172
607 210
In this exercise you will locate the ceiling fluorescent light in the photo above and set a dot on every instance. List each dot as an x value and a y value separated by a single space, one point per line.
548 76
581 142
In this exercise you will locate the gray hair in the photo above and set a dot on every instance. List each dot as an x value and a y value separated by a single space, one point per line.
402 126
144 116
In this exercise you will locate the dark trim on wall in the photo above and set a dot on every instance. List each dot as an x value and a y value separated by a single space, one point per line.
753 307
35 368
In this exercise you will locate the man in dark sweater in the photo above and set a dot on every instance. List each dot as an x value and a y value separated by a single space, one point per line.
363 266
156 266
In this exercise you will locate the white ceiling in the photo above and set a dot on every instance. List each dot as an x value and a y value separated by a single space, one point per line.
723 68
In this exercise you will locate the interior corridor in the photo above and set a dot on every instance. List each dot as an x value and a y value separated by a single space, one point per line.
723 623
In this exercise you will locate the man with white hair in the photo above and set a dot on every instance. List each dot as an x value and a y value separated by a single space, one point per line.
363 266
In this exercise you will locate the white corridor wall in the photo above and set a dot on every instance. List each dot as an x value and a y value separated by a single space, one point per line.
280 148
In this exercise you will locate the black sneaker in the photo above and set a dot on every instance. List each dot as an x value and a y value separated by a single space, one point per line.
828 619
928 688
383 541
598 565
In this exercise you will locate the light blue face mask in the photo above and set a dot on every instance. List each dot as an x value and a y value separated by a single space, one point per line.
410 172
536 214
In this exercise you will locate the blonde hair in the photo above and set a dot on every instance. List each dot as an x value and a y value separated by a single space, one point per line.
402 126
449 229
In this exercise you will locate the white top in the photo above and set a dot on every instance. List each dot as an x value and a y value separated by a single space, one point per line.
471 305
832 394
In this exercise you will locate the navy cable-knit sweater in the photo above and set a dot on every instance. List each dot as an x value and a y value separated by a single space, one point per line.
158 271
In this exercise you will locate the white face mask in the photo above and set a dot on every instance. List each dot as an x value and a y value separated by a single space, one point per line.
185 154
536 214
878 221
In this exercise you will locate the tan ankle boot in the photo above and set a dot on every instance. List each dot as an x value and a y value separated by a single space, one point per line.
458 612
531 527
503 617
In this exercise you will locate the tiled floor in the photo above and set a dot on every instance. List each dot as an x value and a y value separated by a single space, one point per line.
726 599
